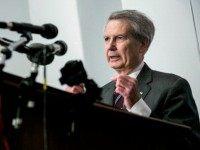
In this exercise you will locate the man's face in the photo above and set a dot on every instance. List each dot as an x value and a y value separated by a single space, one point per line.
124 53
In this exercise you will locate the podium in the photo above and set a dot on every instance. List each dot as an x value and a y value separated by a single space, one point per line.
71 123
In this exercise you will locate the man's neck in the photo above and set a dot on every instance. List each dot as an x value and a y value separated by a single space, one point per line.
131 70
137 70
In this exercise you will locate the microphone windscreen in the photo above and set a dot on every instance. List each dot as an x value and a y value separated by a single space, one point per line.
50 31
73 73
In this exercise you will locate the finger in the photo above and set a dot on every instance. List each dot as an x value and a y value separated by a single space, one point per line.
126 81
125 92
120 90
82 85
68 89
77 89
126 87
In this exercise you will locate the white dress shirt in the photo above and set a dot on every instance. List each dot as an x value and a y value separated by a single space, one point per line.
140 107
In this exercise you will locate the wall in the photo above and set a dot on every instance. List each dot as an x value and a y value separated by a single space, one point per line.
196 20
17 10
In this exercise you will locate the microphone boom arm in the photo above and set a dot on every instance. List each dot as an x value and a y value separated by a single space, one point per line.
24 39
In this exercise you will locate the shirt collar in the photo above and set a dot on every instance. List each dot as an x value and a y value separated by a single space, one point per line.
137 70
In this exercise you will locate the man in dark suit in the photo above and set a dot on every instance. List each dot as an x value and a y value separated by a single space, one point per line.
128 35
136 88
168 97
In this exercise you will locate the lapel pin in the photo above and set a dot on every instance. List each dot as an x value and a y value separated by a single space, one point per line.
141 93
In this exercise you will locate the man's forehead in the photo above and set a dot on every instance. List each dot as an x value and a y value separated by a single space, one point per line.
117 27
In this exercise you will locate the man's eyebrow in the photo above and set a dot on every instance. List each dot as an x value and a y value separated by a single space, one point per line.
105 36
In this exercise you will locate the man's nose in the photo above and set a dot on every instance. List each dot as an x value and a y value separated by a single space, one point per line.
112 45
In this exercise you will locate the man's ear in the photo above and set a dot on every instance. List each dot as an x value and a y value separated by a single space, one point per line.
144 46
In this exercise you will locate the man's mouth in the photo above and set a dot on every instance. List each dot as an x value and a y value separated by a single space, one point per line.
114 58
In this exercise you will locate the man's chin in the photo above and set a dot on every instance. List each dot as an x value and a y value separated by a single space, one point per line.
115 66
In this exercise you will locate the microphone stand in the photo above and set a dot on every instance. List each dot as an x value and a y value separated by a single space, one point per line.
24 39
4 54
26 84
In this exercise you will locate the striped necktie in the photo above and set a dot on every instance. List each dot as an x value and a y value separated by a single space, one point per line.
118 101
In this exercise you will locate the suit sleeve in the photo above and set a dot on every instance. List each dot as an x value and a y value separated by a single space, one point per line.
179 105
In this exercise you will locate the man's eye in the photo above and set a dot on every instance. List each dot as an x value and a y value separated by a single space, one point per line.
106 38
120 38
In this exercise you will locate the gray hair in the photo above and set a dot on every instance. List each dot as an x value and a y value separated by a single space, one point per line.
142 27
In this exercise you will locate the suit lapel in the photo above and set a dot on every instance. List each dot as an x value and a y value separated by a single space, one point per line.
107 95
144 78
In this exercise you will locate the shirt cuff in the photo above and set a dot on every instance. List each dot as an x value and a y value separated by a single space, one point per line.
140 108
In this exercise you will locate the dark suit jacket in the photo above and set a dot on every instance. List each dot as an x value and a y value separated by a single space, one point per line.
168 96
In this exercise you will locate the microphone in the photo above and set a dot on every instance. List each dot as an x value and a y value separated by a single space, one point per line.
48 31
58 48
35 52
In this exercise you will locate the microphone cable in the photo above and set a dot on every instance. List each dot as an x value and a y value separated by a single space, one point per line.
45 101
